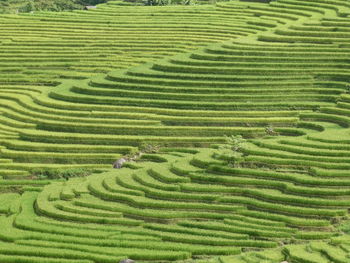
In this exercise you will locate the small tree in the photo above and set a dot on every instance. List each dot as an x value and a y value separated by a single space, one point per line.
231 150
235 142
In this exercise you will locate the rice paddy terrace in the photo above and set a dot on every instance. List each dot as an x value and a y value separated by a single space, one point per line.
54 49
80 89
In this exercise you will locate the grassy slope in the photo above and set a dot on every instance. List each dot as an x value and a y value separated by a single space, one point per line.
79 55
297 187
186 204
188 99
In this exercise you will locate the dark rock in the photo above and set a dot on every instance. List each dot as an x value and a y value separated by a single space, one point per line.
259 1
119 163
127 261
88 7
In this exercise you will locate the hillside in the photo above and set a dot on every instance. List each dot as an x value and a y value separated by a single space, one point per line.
26 6
81 89
35 79
31 6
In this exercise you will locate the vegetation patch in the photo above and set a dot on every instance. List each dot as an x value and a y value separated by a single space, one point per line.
233 119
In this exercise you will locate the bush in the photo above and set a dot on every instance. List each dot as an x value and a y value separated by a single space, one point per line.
230 152
146 147
169 2
271 131
25 6
235 142
59 173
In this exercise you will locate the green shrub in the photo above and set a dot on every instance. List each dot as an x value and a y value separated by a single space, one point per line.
60 173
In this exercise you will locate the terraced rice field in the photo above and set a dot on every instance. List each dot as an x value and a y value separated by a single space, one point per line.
81 89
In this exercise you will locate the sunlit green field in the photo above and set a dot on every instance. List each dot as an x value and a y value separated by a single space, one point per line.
82 89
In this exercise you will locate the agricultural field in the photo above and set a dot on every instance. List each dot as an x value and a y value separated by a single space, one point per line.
236 116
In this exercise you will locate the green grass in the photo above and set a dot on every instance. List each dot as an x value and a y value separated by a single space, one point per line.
81 89
147 218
